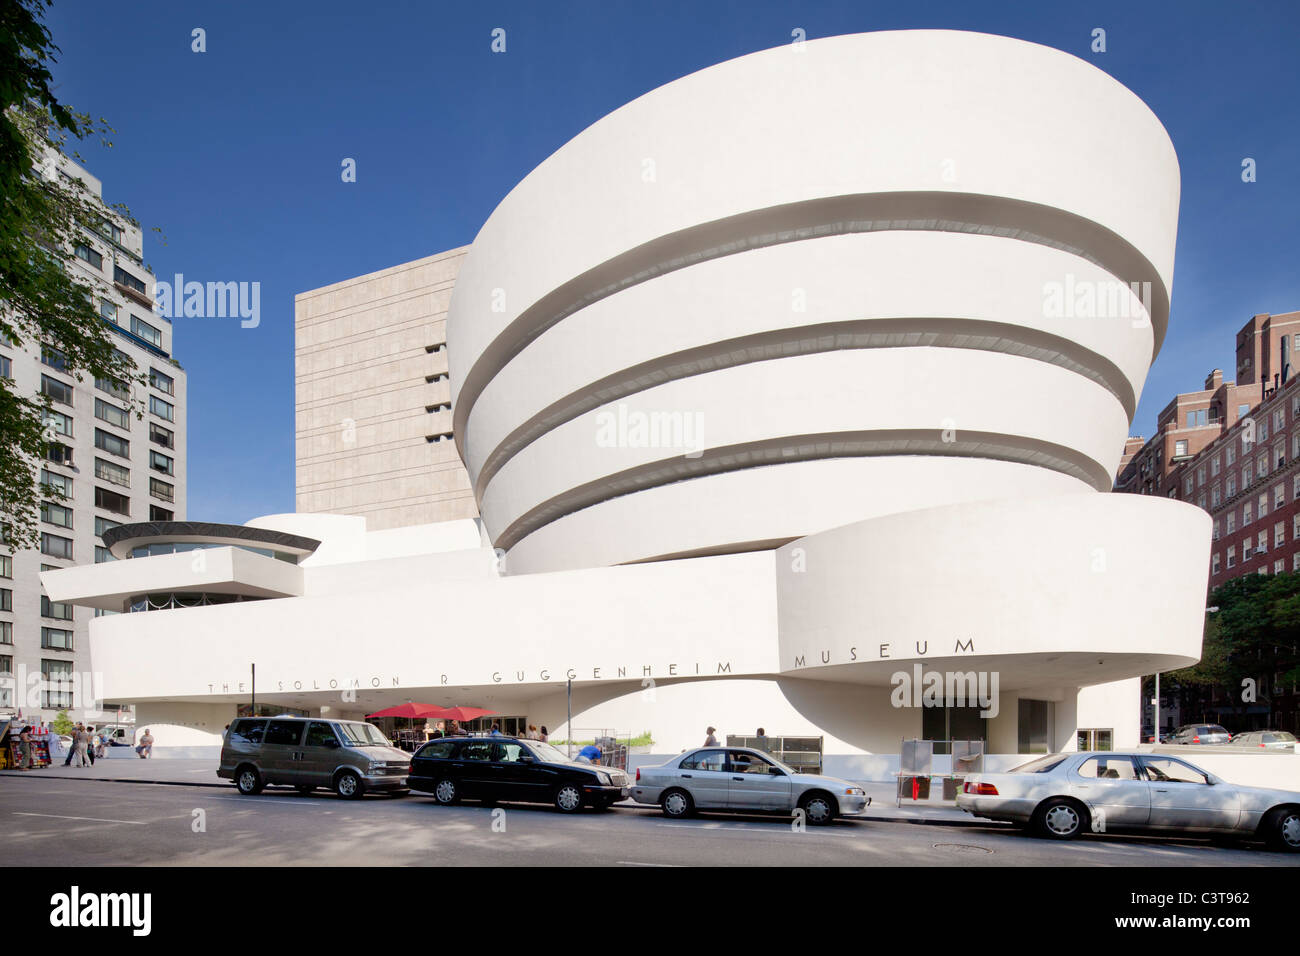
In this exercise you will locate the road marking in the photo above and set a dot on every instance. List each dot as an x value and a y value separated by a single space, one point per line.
57 816
635 863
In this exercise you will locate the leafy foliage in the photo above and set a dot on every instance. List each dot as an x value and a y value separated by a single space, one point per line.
43 213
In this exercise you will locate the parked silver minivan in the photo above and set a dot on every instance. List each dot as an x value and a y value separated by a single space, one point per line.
348 756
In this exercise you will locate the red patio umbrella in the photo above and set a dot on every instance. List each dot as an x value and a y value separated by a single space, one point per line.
460 713
409 710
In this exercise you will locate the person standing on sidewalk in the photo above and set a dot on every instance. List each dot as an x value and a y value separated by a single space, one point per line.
90 744
79 740
25 748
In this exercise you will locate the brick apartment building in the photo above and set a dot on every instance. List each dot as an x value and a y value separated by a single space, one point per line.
1232 449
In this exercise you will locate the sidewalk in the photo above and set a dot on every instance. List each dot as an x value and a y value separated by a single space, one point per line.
203 773
173 772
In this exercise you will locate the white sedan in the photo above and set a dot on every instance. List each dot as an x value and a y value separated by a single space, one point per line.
741 778
1063 795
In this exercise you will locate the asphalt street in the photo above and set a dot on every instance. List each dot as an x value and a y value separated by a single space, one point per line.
61 822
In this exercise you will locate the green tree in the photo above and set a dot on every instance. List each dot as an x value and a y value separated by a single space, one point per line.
62 723
42 217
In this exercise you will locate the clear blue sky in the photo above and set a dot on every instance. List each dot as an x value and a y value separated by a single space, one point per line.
235 153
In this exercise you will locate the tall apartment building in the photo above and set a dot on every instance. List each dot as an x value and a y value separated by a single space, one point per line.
111 468
1232 449
373 401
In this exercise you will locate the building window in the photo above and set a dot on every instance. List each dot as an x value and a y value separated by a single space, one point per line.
1232 521
1197 418
1217 522
1214 467
1214 496
1246 551
56 484
56 639
56 514
1261 542
161 436
1279 497
160 514
56 390
55 546
1232 556
144 330
1247 514
160 462
1180 449
112 501
6 367
105 524
163 410
1232 485
56 699
1214 563
7 637
57 423
102 554
110 471
1295 561
164 383
115 387
1200 502
1261 466
107 441
1279 419
161 489
57 453
1245 478
61 612
6 599
1200 475
1263 504
1279 566
6 565
125 278
108 311
1231 454
89 255
1279 534
110 413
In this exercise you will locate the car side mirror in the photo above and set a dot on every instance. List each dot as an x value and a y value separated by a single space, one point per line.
776 771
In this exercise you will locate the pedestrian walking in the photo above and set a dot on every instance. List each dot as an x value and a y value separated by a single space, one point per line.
711 740
71 749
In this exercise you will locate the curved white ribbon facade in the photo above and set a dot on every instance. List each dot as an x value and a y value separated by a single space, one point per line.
933 258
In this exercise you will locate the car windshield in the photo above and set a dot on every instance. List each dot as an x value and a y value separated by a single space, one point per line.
547 752
1041 765
363 735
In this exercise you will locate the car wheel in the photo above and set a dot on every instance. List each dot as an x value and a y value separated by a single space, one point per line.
1283 829
249 781
303 789
1060 819
818 808
568 798
446 792
677 804
348 785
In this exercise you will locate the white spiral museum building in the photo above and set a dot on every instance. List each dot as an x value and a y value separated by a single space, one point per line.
790 375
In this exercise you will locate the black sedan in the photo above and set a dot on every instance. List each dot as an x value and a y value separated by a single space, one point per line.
505 769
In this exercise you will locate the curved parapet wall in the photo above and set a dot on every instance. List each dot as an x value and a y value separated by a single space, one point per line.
913 246
1066 587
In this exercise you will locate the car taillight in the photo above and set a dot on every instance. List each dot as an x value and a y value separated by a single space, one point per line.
1196 740
638 774
981 789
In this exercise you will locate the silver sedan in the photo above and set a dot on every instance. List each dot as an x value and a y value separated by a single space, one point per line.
1063 795
741 778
